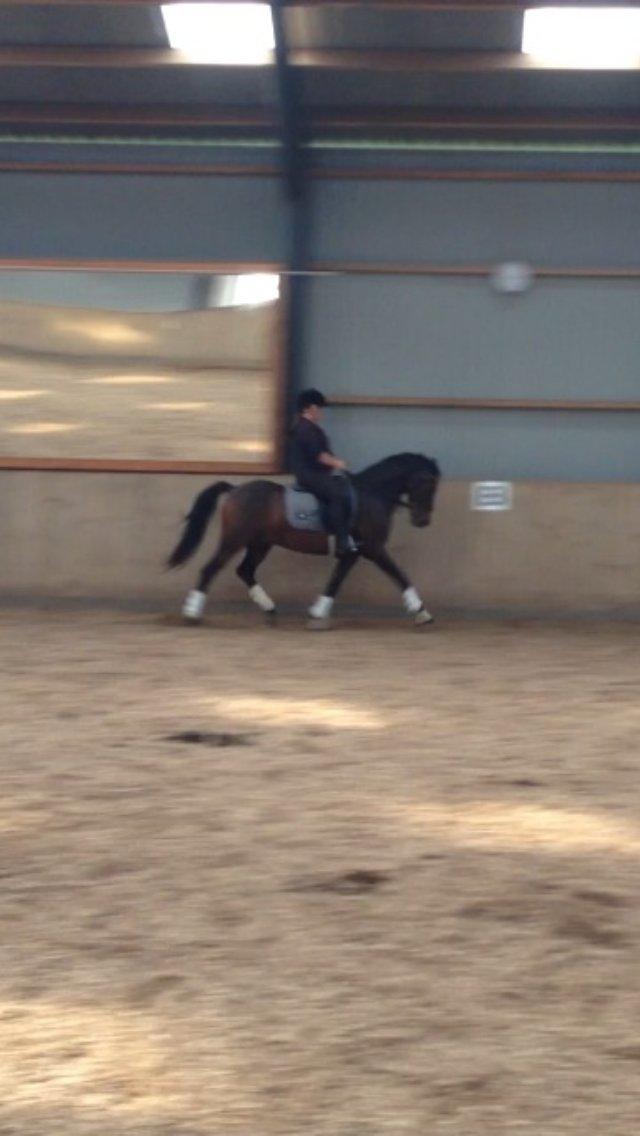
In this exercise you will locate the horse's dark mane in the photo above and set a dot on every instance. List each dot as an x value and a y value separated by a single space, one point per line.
387 473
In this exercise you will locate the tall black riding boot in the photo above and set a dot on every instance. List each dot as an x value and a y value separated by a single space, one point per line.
339 518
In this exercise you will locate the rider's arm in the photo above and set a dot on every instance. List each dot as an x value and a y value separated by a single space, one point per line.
331 461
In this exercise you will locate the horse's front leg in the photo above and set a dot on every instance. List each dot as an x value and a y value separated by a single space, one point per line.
413 604
320 610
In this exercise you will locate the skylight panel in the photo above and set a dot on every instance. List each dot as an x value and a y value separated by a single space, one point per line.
226 34
583 37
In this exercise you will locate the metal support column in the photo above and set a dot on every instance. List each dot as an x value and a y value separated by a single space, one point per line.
297 195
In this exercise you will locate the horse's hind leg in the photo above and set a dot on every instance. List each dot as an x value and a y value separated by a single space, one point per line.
320 611
246 570
194 604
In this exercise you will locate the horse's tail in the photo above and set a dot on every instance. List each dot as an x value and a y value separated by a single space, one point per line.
197 520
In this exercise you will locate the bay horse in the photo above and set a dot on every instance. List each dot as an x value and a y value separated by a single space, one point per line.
253 519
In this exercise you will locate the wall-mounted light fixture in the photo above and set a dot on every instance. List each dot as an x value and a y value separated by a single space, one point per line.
512 277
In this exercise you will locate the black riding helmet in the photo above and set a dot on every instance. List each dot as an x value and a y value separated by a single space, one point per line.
310 397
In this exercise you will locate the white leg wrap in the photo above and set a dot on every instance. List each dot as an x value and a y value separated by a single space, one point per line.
260 597
411 600
193 606
321 609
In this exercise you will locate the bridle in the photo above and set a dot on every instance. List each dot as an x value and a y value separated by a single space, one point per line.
404 503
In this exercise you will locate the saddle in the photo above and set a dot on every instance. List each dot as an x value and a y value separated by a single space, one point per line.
305 512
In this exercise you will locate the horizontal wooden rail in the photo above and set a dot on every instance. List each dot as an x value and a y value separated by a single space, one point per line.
350 268
227 268
410 402
137 465
322 269
389 174
150 169
146 169
359 174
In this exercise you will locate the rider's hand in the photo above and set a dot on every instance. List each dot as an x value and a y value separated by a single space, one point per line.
339 464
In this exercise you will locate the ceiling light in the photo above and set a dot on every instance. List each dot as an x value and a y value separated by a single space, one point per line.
232 34
583 37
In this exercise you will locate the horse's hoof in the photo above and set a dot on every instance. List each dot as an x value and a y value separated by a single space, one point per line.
424 618
270 618
315 624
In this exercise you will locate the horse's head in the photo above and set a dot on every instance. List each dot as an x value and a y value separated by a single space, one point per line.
407 479
422 484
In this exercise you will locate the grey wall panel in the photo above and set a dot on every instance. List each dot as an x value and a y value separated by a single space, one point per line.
141 217
404 335
426 337
447 163
555 223
130 153
437 337
502 445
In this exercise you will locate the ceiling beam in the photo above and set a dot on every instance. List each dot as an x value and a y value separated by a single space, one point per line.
426 5
455 121
125 58
90 57
454 5
466 62
98 114
355 119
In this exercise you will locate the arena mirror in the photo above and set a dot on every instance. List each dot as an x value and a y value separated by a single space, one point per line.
156 369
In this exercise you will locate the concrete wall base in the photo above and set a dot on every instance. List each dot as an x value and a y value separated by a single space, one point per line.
562 549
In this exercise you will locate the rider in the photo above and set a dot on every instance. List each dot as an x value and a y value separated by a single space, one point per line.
313 465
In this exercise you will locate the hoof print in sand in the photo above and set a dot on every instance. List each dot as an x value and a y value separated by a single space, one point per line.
195 737
358 882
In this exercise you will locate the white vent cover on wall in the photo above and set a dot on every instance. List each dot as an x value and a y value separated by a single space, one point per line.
491 496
